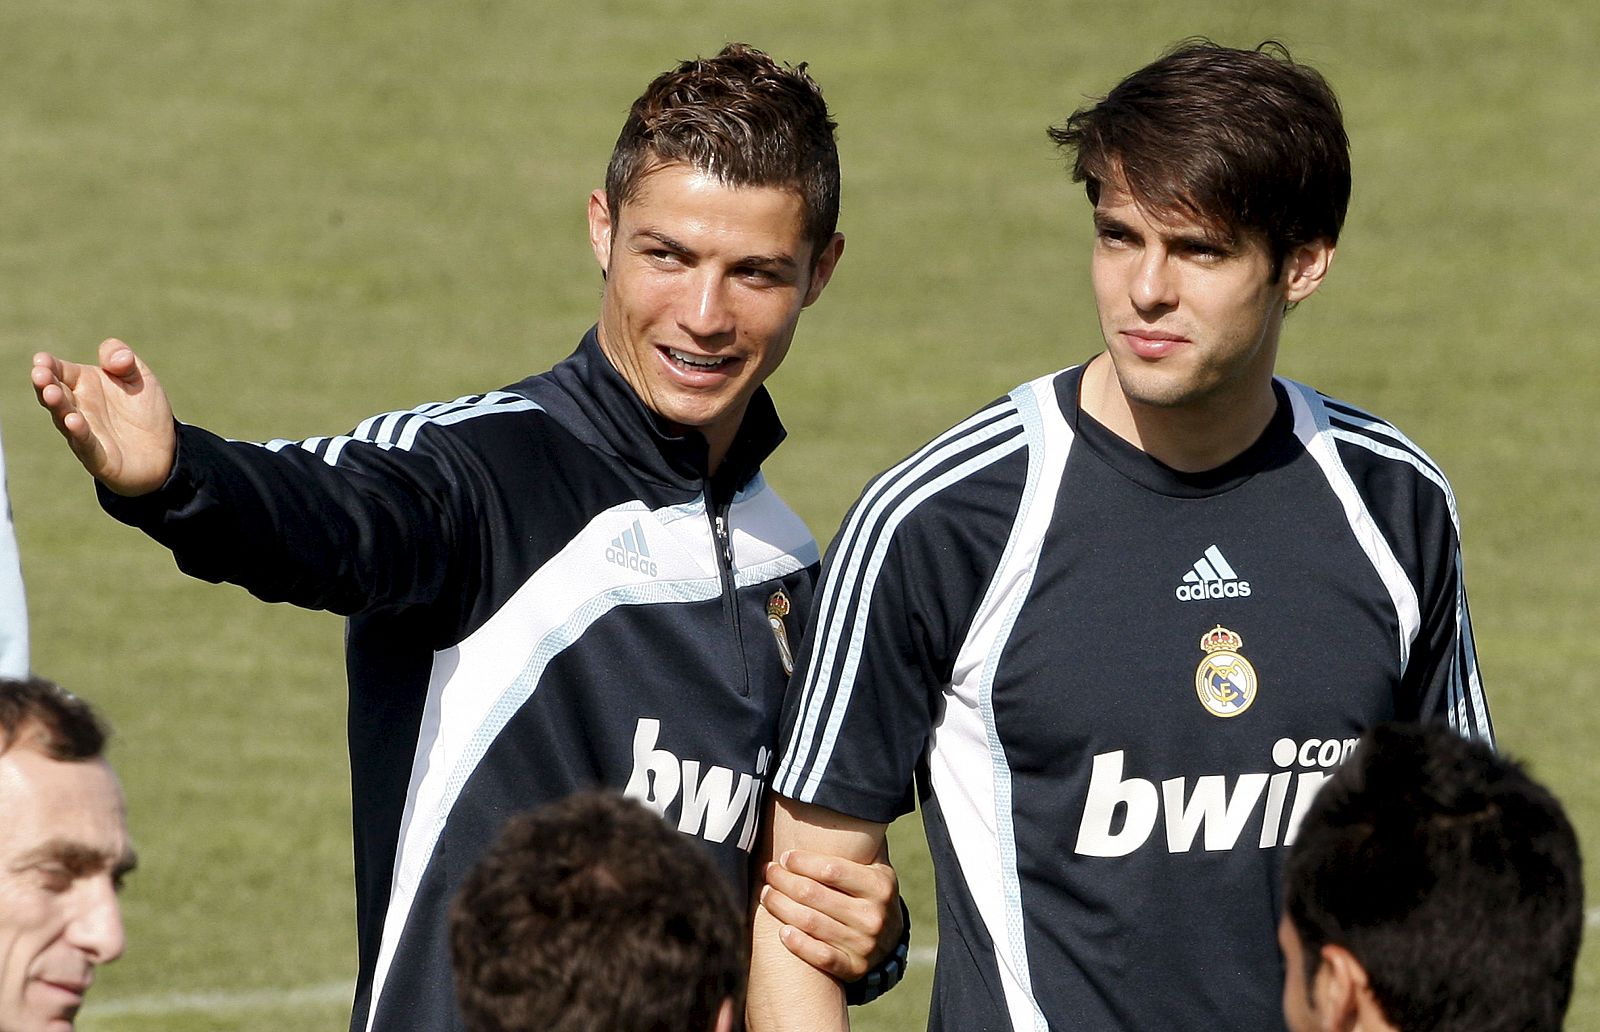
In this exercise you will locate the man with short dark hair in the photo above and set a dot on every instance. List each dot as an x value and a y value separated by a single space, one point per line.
1433 885
579 580
592 915
1117 626
63 854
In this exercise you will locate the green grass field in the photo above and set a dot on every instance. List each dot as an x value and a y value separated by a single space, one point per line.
303 213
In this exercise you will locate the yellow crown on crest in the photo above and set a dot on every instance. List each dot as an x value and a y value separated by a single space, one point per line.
1220 639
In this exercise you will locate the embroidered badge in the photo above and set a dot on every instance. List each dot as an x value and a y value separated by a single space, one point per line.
777 609
1225 680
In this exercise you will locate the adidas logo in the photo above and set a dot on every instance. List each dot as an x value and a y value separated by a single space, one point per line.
1212 577
629 551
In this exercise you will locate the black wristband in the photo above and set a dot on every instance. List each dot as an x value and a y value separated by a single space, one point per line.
886 975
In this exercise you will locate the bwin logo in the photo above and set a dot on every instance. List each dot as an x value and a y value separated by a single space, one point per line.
1212 577
1209 807
714 799
629 551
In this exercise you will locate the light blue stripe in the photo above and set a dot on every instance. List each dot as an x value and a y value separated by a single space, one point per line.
1401 455
773 569
548 648
376 430
1482 726
852 657
845 570
1005 831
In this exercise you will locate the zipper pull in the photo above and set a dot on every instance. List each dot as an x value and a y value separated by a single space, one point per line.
722 539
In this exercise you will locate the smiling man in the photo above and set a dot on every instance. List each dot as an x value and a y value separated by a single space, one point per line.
63 854
1118 626
581 580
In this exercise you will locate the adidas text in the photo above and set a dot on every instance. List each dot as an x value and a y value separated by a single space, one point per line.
1213 589
631 561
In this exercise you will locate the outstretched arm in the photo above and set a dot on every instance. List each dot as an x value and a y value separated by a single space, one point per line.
114 415
786 992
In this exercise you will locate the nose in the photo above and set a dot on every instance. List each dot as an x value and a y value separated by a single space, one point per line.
96 927
707 311
1154 284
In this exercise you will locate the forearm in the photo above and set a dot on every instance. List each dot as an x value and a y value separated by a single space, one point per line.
786 993
285 526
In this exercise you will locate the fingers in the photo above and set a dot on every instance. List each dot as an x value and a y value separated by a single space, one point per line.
53 387
817 938
825 958
839 915
118 360
875 882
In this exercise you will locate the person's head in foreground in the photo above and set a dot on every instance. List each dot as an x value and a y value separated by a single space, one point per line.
714 230
1432 886
593 915
63 852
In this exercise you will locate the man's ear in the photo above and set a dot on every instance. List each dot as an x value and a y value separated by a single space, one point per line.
1338 990
1304 269
822 268
600 229
725 1016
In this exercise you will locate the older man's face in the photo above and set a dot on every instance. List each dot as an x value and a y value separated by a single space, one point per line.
63 851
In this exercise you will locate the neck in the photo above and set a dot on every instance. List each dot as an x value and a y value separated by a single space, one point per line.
1190 438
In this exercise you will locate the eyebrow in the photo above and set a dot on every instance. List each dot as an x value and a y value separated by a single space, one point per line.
79 858
780 260
1198 236
1104 221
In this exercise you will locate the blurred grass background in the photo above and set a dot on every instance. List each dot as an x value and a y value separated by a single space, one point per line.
303 213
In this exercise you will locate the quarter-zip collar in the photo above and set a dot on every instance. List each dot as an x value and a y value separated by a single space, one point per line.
610 415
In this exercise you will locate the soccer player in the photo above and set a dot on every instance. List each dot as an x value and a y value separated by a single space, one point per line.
1432 885
592 915
579 580
1118 625
63 854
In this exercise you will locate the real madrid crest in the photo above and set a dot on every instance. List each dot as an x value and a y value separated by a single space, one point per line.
777 609
1224 680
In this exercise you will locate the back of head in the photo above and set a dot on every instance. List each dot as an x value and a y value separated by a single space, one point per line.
1239 140
1450 875
741 118
41 715
593 915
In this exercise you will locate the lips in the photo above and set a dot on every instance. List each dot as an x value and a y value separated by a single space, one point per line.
697 370
1152 344
697 361
65 996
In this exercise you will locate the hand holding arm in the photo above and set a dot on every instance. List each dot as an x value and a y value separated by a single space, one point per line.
786 992
114 416
839 916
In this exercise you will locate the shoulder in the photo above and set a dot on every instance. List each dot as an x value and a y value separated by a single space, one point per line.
977 455
956 499
414 429
765 528
1387 467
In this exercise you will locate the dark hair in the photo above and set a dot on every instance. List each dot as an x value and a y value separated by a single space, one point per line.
43 715
1238 140
1453 878
742 118
593 915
